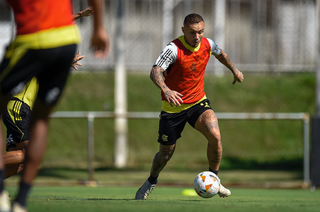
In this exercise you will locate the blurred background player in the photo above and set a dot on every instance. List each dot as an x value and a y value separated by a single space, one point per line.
17 115
183 62
44 47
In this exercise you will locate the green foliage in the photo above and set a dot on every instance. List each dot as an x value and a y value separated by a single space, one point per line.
267 144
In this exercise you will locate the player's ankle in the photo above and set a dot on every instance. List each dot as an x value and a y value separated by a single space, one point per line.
23 192
1 180
214 171
153 180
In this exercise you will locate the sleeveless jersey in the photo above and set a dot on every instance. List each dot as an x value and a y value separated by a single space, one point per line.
187 73
36 15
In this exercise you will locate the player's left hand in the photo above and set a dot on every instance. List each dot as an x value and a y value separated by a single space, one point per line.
75 63
238 77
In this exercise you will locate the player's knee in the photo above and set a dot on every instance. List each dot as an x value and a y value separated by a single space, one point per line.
20 154
215 144
214 138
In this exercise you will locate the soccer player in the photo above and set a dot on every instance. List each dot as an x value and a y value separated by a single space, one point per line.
17 116
16 119
182 63
44 47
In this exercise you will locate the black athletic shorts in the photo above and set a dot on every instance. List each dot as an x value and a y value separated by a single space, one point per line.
51 67
172 124
16 119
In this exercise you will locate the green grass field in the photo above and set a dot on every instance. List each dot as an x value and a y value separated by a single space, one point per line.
82 199
63 189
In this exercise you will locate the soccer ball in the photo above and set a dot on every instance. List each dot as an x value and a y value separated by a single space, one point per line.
206 184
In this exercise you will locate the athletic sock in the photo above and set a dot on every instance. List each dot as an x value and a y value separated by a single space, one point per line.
153 180
1 181
216 172
23 192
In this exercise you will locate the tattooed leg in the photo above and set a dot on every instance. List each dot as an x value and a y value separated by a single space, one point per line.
207 124
161 158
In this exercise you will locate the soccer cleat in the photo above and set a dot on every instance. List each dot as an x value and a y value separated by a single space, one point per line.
4 202
16 207
145 190
223 192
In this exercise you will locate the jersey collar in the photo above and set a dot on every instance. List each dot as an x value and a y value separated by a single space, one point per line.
193 49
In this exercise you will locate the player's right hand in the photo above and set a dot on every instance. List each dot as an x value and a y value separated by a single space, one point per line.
173 97
100 43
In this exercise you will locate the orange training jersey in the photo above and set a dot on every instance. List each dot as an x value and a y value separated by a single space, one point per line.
35 15
187 73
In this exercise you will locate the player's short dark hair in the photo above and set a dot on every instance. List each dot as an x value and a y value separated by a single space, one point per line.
192 19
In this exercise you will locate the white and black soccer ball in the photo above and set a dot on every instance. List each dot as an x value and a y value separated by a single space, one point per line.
206 184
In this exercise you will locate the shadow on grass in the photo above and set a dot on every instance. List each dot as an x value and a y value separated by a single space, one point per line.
71 173
231 163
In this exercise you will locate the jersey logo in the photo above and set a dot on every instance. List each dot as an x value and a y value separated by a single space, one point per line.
193 67
9 140
17 89
52 95
205 104
164 137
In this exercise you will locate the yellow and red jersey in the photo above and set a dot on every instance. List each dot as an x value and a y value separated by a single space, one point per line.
40 24
36 15
187 73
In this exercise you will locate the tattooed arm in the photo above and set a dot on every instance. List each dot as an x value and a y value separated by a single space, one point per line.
225 60
173 97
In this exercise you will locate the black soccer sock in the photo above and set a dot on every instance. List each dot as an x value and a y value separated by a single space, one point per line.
153 180
23 192
1 181
216 172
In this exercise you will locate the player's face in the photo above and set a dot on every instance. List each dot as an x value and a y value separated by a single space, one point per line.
193 33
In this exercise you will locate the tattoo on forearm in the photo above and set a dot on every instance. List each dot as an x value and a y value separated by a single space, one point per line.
228 61
156 77
225 60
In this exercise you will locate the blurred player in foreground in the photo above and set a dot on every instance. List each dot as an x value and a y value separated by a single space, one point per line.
17 115
44 47
16 119
182 63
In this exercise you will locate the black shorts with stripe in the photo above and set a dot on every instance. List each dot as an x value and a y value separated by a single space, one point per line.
172 124
16 119
51 67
